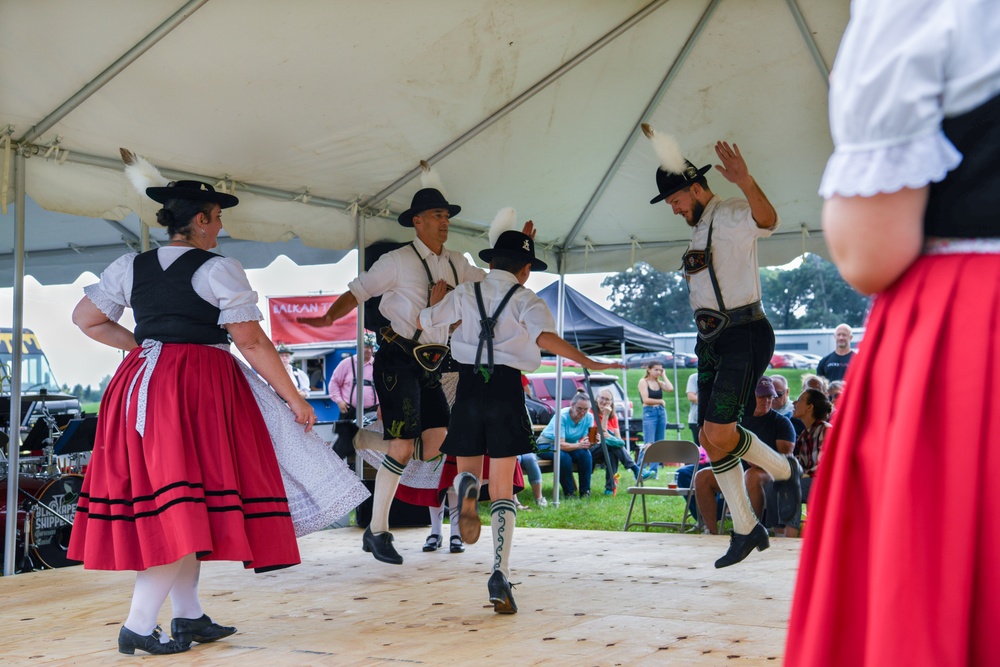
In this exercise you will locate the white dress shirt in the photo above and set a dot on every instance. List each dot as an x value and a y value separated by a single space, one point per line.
734 254
901 69
522 320
400 279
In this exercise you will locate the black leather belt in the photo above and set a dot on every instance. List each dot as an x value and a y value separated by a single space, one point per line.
755 311
711 323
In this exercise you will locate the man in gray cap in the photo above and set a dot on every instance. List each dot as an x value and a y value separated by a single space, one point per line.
735 340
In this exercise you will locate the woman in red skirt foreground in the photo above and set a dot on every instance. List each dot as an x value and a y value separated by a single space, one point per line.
899 566
184 466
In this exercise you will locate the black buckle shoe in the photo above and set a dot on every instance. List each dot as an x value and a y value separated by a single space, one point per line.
789 493
129 641
433 542
469 526
201 630
740 546
380 546
500 594
456 545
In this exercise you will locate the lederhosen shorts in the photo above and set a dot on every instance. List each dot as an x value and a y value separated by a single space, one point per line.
729 367
489 417
411 397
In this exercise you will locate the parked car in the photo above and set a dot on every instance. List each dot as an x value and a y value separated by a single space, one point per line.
812 359
790 360
543 385
643 359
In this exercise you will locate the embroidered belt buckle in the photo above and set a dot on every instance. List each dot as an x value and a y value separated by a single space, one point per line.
710 323
695 261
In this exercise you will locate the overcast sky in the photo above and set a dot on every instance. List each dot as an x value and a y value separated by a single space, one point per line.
76 359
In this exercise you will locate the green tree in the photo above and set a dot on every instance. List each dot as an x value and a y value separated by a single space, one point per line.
656 300
77 390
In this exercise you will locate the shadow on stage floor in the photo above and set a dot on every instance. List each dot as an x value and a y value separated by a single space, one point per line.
585 598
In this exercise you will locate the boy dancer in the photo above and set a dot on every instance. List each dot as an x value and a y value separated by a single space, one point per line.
504 325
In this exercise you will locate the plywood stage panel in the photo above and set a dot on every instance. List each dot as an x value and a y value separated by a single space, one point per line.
585 598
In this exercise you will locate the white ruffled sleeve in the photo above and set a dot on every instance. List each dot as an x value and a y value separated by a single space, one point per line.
111 295
886 95
237 300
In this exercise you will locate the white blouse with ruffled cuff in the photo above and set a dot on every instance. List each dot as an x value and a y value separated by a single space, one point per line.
902 68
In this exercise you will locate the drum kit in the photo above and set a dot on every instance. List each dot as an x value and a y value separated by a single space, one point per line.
49 481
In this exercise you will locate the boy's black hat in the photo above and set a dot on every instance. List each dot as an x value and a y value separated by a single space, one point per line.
516 245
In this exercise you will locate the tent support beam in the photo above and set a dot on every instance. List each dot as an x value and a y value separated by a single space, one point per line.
645 116
557 435
359 357
113 70
541 85
17 340
807 37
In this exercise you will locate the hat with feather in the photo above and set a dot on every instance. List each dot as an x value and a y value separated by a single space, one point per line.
430 196
508 242
147 180
674 173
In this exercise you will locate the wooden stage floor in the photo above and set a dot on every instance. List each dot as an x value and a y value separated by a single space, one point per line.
586 598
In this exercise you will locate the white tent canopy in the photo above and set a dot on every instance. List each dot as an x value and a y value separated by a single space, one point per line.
309 107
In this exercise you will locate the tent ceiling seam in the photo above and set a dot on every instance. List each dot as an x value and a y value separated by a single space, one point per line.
513 104
810 40
646 114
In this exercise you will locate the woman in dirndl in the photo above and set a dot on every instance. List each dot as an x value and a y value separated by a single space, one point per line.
898 566
184 467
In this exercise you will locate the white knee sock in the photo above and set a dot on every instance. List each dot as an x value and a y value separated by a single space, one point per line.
437 515
386 482
753 450
184 593
454 510
151 589
734 488
503 516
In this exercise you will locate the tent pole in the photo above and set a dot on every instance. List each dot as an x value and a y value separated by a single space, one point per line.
646 114
807 37
14 432
541 85
628 403
677 390
557 436
359 398
143 236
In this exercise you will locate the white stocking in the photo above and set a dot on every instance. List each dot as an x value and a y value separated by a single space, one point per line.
184 593
151 589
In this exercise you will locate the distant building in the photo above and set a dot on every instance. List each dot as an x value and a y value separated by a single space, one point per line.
808 341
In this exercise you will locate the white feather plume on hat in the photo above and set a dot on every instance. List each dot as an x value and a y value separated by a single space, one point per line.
667 150
505 221
141 173
430 178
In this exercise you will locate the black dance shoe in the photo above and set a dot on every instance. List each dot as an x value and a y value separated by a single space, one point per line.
469 525
201 630
789 493
456 546
433 542
380 546
740 546
500 594
129 641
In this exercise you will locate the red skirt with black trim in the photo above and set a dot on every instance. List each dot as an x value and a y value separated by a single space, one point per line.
901 560
203 479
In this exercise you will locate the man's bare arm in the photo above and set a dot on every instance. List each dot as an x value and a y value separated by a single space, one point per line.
344 304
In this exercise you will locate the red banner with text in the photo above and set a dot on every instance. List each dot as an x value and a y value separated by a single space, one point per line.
282 313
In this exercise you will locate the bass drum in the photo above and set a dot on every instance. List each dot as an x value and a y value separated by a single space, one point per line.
48 534
29 484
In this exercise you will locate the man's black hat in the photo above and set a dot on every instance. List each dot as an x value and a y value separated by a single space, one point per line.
191 191
668 182
516 245
425 200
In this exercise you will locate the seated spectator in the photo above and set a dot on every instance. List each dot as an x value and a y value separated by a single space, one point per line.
574 447
835 390
775 431
529 464
617 449
811 381
813 408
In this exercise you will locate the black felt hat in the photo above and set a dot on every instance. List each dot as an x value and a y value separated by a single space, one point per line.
191 191
516 245
425 200
667 182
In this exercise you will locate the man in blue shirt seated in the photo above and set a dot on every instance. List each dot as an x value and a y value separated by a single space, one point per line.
574 446
776 432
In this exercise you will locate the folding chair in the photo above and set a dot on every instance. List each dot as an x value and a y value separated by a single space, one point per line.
664 451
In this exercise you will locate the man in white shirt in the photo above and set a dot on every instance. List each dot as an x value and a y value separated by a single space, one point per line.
503 327
413 405
297 375
735 340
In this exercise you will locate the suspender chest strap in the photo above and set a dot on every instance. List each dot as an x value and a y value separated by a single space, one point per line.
487 331
430 280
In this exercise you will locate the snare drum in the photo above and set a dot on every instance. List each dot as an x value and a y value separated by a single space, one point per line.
47 534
